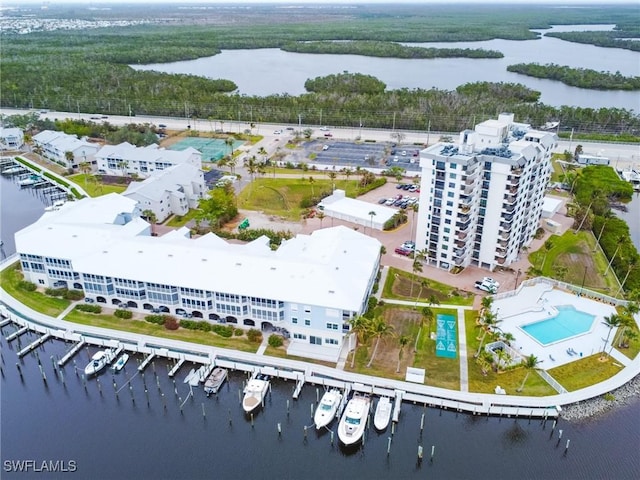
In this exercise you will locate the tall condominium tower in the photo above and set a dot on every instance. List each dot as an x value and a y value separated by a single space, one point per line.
481 198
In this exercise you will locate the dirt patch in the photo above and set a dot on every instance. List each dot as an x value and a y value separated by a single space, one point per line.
260 220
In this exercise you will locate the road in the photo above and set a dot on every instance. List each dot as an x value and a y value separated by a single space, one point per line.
622 156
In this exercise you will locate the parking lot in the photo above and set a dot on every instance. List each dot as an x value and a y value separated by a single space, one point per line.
363 155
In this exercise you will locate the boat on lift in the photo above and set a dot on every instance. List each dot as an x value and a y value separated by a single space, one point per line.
327 408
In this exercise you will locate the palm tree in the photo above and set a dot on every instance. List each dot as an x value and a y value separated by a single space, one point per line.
372 214
332 176
311 182
85 168
622 239
320 216
487 302
262 151
414 209
416 268
69 158
347 173
626 322
151 218
530 363
607 216
488 319
229 141
424 283
427 316
379 328
632 263
359 326
594 195
402 340
548 245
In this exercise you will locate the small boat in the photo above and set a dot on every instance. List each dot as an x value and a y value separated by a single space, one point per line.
120 363
383 414
354 419
215 380
327 408
189 376
99 360
254 392
56 206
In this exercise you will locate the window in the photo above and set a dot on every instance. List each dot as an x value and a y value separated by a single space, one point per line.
450 194
315 340
452 175
330 341
294 320
307 309
307 322
332 326
299 336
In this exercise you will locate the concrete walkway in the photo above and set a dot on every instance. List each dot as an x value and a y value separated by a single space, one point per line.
381 283
462 352
411 303
66 311
265 343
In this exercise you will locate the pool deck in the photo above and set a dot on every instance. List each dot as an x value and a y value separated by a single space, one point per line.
535 303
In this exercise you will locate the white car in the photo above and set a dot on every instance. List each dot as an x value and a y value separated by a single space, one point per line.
277 132
487 287
490 281
324 129
325 147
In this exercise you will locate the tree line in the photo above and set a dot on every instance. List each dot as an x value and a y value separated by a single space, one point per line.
387 49
578 77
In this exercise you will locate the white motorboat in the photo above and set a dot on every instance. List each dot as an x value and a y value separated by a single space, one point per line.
120 363
254 392
354 419
383 414
189 377
327 408
99 360
215 380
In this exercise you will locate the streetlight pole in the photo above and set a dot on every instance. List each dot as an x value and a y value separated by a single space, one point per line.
517 277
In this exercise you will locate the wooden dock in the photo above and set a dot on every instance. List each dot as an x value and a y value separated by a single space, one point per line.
34 345
67 356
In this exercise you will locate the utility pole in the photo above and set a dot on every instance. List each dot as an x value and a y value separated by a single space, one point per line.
428 131
300 124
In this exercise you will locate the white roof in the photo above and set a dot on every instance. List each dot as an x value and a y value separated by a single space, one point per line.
551 204
352 208
162 181
332 267
150 153
62 141
10 132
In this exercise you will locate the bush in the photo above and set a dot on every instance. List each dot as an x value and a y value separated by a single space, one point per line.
170 323
275 341
55 292
27 286
73 294
254 335
238 332
124 314
203 325
83 307
225 331
157 319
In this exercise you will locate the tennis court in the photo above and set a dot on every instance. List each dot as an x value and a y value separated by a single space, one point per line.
212 149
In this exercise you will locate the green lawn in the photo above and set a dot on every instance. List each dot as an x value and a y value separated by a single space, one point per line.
634 344
281 352
95 189
399 286
282 196
180 221
575 252
585 372
146 328
440 372
510 380
39 302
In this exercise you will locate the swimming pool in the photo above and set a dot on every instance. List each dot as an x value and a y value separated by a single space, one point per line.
568 323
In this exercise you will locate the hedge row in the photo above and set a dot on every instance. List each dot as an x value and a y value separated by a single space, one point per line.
83 307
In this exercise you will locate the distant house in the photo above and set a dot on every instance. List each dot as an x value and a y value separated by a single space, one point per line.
11 138
67 150
584 159
171 191
126 159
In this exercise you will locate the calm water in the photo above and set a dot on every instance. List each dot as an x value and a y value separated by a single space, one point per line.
112 437
264 72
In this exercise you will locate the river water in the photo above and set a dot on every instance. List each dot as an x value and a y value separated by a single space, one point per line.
270 71
105 436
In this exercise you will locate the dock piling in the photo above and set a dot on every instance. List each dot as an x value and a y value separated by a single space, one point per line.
204 415
419 452
433 451
311 409
19 370
389 446
44 376
421 423
279 429
566 447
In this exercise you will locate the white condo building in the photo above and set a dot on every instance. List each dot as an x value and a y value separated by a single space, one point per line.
172 191
482 197
126 159
64 149
11 138
312 285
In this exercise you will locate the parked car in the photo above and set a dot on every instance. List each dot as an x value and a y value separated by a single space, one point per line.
404 153
409 244
325 147
328 134
487 287
399 186
413 188
491 281
162 125
88 300
403 251
390 201
382 201
277 132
